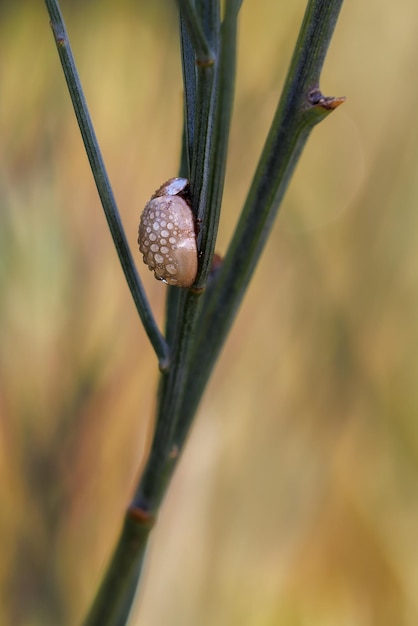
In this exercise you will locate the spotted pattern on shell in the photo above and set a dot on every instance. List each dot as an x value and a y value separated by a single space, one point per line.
167 239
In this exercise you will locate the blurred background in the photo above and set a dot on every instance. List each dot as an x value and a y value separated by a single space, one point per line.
296 501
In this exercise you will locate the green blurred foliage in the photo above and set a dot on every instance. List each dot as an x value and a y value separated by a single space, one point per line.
296 501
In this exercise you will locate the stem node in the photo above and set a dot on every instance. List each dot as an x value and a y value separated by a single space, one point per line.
328 103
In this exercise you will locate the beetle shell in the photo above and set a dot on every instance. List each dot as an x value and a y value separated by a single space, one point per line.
167 237
172 187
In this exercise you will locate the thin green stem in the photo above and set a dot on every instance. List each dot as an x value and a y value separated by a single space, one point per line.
123 573
190 94
157 472
200 322
162 456
172 386
103 184
217 164
195 29
219 145
183 309
205 111
300 108
199 170
174 295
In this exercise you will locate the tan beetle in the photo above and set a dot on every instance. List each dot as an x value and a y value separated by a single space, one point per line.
167 235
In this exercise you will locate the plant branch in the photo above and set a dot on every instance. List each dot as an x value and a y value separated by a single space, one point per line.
164 455
300 108
114 599
200 323
118 586
199 42
190 94
219 146
172 386
103 185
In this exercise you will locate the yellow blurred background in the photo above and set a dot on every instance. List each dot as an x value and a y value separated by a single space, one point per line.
296 502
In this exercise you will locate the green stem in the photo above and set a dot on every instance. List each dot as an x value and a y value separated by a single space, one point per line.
204 116
103 184
183 309
172 387
152 482
157 472
202 322
173 384
195 29
190 92
174 295
123 573
300 108
219 145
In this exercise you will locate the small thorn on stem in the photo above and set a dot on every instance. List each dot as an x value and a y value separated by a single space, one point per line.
164 365
329 103
205 62
174 453
141 516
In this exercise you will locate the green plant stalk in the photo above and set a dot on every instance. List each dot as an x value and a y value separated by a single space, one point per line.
127 563
171 409
225 96
219 146
209 12
300 108
217 164
103 185
152 482
118 587
203 120
175 295
180 306
199 73
163 455
199 42
190 92
204 115
209 209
